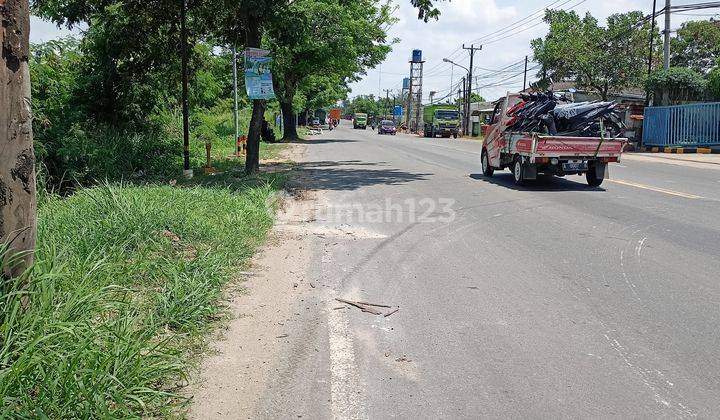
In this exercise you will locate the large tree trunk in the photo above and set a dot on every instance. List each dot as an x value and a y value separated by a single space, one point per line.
17 160
289 123
253 34
252 159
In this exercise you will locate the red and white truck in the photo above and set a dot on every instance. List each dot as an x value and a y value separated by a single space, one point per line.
530 154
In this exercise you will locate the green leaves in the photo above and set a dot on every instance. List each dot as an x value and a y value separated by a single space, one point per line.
603 59
682 84
697 45
321 45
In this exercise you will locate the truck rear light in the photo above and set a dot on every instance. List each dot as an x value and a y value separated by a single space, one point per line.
542 160
610 159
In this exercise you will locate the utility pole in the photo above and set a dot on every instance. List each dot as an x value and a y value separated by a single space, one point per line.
387 100
472 50
652 48
525 77
462 95
187 172
466 115
451 77
666 57
393 107
409 99
235 94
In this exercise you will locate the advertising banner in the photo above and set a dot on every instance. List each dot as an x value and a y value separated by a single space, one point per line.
258 78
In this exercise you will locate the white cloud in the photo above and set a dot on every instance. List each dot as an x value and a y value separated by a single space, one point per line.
463 21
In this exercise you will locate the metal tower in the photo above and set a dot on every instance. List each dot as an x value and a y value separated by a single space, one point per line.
414 109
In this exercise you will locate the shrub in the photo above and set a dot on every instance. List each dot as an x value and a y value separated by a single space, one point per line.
682 84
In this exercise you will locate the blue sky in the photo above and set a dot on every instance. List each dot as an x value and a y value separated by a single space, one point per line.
462 21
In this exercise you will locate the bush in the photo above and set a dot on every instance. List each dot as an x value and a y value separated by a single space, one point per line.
682 84
714 84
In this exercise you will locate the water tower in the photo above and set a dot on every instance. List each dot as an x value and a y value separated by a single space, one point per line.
414 106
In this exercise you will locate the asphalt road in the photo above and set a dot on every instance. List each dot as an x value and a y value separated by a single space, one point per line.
554 300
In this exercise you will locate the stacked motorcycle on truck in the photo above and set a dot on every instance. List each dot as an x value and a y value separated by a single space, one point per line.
555 115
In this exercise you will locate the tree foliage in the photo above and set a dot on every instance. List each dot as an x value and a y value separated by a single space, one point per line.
426 10
714 84
367 104
602 59
682 84
321 43
697 45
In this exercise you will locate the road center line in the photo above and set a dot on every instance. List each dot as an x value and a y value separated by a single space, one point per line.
657 189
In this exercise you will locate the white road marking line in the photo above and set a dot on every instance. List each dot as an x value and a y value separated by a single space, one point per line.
347 402
657 189
640 245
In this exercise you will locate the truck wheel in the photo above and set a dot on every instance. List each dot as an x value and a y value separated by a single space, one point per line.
486 168
518 171
592 179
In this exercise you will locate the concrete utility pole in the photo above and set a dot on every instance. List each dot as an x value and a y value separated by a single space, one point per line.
451 77
666 57
652 47
387 101
525 77
472 50
235 94
409 99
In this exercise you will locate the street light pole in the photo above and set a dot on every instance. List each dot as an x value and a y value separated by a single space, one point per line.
464 90
235 94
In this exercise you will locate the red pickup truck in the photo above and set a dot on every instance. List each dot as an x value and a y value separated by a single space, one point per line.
527 154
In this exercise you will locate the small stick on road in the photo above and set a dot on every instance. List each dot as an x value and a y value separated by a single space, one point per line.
375 304
391 312
364 308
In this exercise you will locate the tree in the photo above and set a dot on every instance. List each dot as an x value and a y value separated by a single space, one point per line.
426 10
603 59
697 45
331 39
366 104
681 84
17 158
474 98
714 84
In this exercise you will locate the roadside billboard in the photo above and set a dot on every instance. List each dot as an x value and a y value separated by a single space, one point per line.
258 78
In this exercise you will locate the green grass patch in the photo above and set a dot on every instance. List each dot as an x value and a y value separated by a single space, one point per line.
126 282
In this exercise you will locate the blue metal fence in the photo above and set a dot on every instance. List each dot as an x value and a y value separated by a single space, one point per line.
682 125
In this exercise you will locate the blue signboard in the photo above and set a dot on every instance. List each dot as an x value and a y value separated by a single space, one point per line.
397 111
258 78
406 83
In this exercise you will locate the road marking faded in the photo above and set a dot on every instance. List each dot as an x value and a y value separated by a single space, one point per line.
657 189
346 399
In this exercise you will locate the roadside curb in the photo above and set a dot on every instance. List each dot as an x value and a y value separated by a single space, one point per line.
680 150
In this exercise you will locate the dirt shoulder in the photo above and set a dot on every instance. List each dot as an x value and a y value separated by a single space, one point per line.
232 377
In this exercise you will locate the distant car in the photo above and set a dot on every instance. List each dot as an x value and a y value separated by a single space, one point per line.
387 127
316 122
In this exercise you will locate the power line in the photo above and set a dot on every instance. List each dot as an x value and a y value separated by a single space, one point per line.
455 52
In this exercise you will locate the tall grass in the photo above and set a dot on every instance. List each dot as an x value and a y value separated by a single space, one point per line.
126 278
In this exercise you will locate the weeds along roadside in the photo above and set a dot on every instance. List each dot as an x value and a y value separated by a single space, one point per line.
125 285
